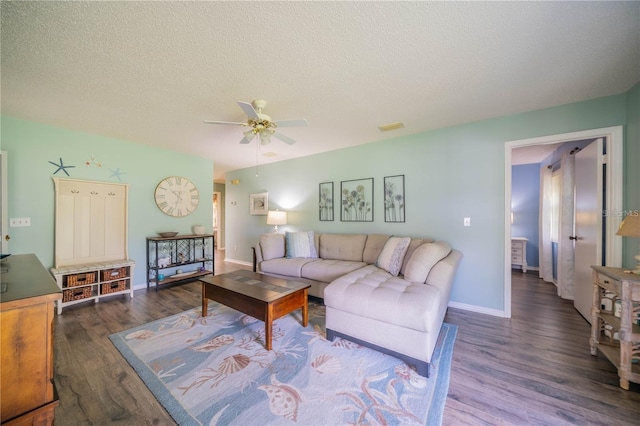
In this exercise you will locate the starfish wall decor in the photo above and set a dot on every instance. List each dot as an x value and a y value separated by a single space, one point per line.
61 166
117 173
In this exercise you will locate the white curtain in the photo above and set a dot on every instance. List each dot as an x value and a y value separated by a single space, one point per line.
566 259
544 251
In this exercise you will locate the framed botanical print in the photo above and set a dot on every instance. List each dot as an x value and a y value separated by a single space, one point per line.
259 204
394 200
356 200
325 202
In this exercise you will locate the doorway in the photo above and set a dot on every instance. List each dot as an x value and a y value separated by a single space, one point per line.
217 219
613 202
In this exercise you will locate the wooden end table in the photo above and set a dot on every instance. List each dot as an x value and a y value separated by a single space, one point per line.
261 296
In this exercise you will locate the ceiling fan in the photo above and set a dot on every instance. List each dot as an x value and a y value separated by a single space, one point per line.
261 124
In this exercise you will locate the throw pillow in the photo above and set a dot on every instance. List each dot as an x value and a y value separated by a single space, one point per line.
423 259
390 258
301 244
272 246
413 245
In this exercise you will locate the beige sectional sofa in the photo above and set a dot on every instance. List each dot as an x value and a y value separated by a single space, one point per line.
389 293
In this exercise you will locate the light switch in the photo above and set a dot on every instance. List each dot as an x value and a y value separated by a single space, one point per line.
467 221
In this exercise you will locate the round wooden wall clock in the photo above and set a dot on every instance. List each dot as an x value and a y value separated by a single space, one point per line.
177 196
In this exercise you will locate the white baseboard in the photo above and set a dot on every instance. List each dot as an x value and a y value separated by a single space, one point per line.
239 262
529 268
478 309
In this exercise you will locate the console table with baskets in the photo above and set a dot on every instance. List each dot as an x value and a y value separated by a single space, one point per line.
180 258
80 283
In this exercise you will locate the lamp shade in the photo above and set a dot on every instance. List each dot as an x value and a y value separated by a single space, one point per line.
265 136
276 217
630 226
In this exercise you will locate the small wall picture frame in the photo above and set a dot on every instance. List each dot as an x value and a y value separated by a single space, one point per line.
394 199
325 201
356 200
259 204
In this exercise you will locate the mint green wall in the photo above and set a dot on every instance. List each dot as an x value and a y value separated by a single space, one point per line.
632 169
30 146
450 174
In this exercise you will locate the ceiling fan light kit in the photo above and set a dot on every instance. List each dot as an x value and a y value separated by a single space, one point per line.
261 124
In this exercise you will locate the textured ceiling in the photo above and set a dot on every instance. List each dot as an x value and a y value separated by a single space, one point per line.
532 154
151 72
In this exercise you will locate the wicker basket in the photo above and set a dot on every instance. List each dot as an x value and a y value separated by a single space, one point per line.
115 273
113 287
77 294
74 280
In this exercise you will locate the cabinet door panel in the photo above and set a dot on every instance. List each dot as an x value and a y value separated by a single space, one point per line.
96 230
91 222
81 225
65 226
115 226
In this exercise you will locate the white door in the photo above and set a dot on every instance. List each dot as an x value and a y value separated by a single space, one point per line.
588 222
4 208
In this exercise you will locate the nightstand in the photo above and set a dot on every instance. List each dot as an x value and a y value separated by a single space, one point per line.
519 252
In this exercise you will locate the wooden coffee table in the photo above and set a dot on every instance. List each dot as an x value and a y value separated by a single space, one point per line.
260 296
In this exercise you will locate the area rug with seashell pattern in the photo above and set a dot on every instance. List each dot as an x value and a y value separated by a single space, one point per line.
216 371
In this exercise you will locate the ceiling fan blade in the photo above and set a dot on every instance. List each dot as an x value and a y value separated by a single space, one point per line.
248 109
225 122
300 122
284 138
245 140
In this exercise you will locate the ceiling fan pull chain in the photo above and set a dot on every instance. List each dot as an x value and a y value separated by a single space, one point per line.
257 156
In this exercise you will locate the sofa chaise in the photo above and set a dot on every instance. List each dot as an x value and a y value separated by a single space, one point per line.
385 292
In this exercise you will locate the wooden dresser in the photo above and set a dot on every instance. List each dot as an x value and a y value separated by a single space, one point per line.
27 300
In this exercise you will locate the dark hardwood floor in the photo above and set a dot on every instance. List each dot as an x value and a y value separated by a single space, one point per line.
532 369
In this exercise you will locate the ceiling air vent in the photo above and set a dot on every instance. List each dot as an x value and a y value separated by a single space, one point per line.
392 126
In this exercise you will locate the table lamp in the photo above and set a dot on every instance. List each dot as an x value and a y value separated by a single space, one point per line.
630 227
276 217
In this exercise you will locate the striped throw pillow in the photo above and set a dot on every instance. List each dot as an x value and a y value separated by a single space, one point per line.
392 254
301 244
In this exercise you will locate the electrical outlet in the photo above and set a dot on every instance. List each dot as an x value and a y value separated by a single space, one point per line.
467 221
19 221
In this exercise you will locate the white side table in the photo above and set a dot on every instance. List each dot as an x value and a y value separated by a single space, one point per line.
519 252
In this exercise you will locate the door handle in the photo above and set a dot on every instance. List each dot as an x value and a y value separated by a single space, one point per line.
575 238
